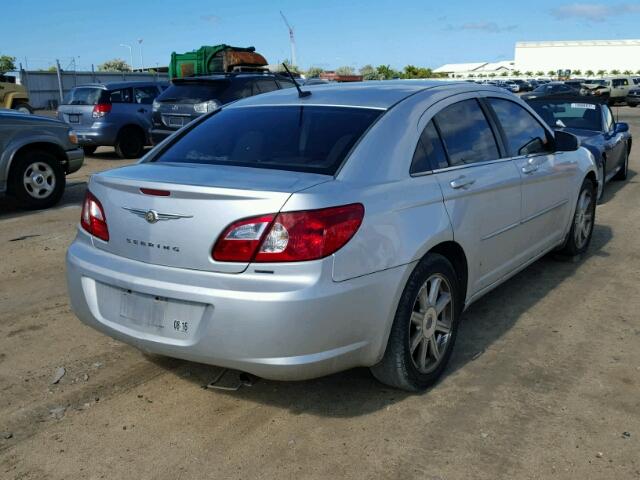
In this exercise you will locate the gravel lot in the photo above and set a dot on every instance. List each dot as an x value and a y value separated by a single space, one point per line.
544 382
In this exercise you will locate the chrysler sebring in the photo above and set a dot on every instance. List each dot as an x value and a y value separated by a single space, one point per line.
292 235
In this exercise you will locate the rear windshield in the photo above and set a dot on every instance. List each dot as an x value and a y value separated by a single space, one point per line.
83 96
569 114
192 92
298 138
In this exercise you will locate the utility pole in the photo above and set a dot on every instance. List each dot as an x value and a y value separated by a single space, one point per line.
59 80
292 40
141 60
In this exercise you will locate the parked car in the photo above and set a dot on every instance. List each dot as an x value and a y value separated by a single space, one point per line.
589 85
593 123
188 98
524 85
292 236
633 98
575 83
512 87
35 155
614 89
111 114
550 89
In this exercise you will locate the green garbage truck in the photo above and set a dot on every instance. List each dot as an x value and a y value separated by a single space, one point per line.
215 59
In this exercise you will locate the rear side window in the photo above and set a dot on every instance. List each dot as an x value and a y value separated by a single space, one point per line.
264 86
122 95
193 92
429 153
298 138
83 96
285 83
524 134
466 133
620 82
145 95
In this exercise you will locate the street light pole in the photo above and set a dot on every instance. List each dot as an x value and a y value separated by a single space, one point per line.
141 60
130 53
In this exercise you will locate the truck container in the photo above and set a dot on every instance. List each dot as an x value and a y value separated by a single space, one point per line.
214 59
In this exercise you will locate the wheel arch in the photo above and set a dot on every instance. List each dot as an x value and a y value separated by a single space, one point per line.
454 252
49 147
133 127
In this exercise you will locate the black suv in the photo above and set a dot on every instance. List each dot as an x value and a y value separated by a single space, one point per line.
188 98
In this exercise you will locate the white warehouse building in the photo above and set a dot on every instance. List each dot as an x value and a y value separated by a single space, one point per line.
581 55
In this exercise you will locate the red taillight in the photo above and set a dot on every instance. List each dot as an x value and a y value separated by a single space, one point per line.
93 219
290 237
101 109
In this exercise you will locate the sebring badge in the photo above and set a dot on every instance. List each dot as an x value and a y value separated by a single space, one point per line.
152 216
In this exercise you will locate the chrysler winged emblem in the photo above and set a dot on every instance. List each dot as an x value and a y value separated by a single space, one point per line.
151 216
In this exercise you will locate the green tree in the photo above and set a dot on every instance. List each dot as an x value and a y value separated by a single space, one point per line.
411 71
504 74
7 64
345 70
589 73
385 72
628 72
115 65
292 68
314 72
540 73
492 74
517 73
369 72
576 72
602 73
615 72
637 72
528 73
552 73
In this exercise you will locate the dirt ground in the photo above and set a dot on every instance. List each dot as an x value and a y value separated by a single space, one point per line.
544 382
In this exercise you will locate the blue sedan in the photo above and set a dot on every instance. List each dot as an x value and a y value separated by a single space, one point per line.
593 123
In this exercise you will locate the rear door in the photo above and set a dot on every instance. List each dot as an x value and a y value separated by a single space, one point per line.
546 177
123 109
481 191
77 107
143 98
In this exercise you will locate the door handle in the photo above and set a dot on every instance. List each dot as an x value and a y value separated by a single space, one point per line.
530 168
461 182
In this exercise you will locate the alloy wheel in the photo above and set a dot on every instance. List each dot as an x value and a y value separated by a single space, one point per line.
431 323
583 220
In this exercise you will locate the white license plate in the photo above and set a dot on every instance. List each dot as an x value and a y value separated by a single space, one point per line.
143 310
176 121
74 118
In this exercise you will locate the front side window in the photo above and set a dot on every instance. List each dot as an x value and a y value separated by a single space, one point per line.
620 82
429 152
608 119
524 134
466 133
297 138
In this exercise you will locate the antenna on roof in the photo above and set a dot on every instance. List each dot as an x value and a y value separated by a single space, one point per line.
301 93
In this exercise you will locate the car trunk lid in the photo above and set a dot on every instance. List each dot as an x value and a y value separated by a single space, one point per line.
78 105
183 226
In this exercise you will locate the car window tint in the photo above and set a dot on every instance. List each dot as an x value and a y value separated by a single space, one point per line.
524 134
145 95
429 152
267 85
242 89
608 118
193 91
122 95
620 82
297 138
285 83
466 134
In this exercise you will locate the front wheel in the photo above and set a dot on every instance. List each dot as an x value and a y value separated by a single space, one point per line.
37 180
23 107
424 328
583 221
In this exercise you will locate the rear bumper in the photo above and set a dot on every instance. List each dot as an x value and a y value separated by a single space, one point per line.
289 327
99 134
75 159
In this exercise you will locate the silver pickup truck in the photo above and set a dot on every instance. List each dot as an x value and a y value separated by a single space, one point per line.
36 153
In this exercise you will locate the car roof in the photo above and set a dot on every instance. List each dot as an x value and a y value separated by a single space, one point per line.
371 94
592 99
230 76
114 85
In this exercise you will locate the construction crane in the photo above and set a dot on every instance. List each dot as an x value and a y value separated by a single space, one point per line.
292 39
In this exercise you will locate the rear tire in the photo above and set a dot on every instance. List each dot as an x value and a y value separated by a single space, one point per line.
37 180
424 328
23 107
623 172
583 221
130 143
89 150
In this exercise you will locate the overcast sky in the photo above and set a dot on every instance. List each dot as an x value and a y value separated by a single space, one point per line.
329 33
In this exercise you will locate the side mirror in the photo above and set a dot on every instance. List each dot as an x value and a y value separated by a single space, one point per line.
566 142
621 127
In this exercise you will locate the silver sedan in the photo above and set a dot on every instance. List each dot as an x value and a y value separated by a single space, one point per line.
292 236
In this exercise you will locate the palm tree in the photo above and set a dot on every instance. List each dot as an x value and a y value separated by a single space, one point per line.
528 73
539 73
504 74
638 72
577 72
517 73
589 73
551 73
492 74
628 72
602 73
615 72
